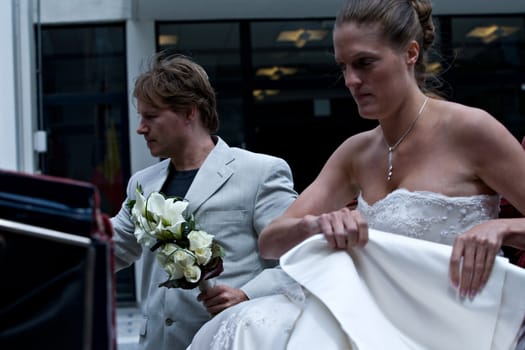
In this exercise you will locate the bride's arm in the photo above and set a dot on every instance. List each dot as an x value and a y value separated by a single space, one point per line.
342 229
516 233
320 208
284 233
501 166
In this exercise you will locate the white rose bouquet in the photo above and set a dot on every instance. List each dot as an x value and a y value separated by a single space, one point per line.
189 256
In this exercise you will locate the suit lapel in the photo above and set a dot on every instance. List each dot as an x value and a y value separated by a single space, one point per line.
213 173
156 182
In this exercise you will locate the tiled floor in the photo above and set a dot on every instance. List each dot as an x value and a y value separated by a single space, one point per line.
128 327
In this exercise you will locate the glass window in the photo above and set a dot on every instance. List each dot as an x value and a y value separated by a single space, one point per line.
215 46
489 42
85 114
85 107
299 94
83 59
292 50
305 127
488 67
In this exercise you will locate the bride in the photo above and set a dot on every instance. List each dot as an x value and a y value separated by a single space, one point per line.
409 268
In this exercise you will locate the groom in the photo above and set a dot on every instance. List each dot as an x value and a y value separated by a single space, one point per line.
232 193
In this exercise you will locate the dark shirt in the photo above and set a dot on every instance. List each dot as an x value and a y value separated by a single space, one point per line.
178 182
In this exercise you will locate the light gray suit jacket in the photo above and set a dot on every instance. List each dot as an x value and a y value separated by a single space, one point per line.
234 195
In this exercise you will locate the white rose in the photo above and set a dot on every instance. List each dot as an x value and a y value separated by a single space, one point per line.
192 273
174 270
165 252
184 257
199 240
165 257
203 255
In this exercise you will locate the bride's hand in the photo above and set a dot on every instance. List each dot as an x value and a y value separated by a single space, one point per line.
343 228
473 256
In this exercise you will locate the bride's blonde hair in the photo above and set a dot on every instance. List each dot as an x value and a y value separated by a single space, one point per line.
401 21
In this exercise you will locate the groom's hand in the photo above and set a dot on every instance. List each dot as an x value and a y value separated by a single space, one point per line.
221 297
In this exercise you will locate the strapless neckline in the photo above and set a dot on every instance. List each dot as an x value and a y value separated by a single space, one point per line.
428 194
428 215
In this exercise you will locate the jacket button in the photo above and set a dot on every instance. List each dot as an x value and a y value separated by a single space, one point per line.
168 322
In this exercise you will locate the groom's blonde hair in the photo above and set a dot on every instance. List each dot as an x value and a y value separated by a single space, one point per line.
178 83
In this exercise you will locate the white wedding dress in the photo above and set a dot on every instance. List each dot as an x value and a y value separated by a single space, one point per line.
394 293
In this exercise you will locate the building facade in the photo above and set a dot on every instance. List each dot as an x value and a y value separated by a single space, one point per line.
66 95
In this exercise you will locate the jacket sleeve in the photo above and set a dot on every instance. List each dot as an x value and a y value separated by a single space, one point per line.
273 281
127 250
275 194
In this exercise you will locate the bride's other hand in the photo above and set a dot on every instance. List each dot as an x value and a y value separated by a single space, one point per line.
473 256
221 297
343 228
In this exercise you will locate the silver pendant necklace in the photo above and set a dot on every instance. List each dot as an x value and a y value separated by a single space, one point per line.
391 149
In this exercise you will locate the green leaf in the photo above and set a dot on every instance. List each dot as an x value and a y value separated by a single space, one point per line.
129 204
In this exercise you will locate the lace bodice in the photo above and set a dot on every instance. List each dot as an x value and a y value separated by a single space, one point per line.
428 215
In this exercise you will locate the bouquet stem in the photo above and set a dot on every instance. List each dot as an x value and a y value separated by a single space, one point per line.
204 285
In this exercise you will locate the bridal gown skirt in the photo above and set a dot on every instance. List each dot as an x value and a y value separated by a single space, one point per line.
394 293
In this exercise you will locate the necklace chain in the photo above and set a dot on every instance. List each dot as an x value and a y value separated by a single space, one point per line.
391 149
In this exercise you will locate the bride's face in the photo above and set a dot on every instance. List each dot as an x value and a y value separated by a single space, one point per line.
376 74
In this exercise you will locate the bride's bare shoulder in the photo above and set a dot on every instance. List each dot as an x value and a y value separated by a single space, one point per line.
468 121
360 141
463 116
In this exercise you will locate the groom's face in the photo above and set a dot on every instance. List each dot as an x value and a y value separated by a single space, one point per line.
163 129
